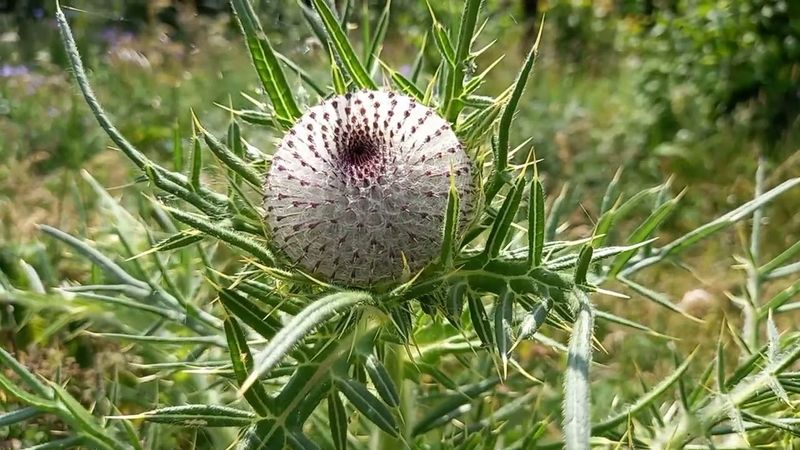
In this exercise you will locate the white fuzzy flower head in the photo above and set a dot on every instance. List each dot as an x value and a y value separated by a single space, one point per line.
360 183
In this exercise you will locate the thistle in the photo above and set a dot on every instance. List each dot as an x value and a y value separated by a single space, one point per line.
358 187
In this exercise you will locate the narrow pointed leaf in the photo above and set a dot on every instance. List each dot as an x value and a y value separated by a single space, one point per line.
250 313
197 416
656 297
536 221
505 217
305 76
31 380
443 44
197 164
643 232
20 415
339 82
337 419
382 381
374 49
231 160
584 259
504 127
466 32
689 239
265 434
266 63
453 406
342 46
366 403
242 361
480 320
454 304
299 441
451 222
503 318
224 234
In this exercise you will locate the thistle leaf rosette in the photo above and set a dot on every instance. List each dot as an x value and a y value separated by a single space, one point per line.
358 187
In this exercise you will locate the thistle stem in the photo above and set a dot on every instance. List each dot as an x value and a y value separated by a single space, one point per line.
751 313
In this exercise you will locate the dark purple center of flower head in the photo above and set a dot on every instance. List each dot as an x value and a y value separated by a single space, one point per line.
362 153
358 186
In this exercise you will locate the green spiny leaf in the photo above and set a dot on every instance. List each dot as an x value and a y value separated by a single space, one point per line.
453 406
480 320
504 127
225 234
374 49
228 157
504 219
250 313
503 318
466 31
242 361
584 259
266 63
343 47
337 419
368 405
451 224
643 231
382 381
196 416
536 221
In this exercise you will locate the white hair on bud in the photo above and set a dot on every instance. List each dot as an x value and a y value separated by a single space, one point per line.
360 182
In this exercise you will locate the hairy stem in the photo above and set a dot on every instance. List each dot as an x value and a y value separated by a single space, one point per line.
751 313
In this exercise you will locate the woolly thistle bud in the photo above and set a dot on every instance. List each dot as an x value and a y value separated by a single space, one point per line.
358 187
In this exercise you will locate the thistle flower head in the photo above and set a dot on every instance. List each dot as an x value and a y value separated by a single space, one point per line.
358 187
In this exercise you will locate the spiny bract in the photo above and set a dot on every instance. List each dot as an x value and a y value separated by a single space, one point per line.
361 182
